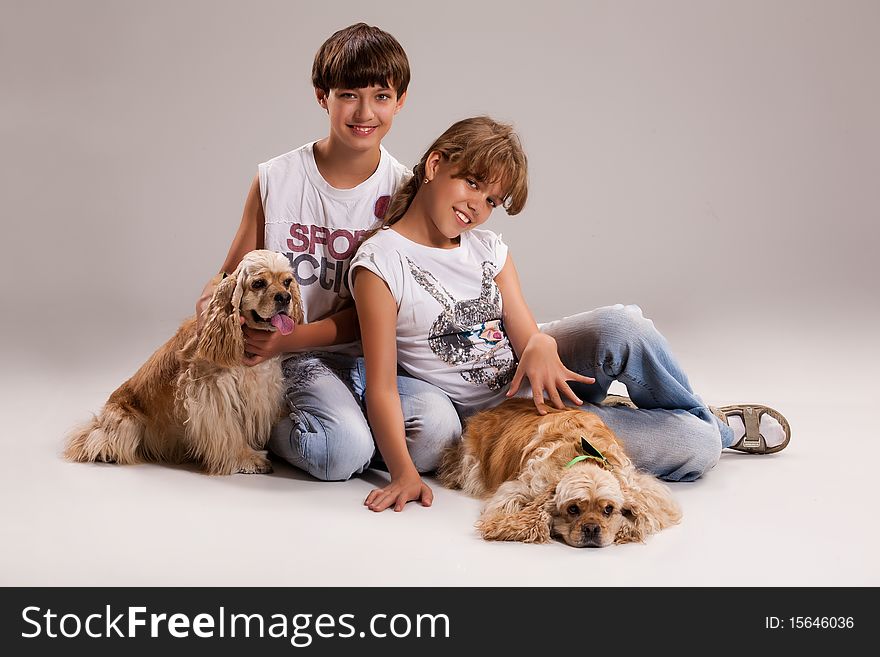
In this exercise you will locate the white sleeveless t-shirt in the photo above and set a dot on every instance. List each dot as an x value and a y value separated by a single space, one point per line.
450 331
319 227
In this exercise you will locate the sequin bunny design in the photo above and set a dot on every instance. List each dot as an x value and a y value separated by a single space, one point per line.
470 332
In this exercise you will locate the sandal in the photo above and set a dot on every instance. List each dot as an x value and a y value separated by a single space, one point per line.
753 442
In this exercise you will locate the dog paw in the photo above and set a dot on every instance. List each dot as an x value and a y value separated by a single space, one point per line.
255 463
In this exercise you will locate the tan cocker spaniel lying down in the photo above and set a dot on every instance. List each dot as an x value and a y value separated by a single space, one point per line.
563 474
194 400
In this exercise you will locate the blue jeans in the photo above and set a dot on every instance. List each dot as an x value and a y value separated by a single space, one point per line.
672 434
327 434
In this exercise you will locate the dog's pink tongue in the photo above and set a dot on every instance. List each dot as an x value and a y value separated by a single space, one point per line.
283 323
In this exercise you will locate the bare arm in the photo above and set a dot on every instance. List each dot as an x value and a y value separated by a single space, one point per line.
519 323
338 328
248 237
378 315
538 356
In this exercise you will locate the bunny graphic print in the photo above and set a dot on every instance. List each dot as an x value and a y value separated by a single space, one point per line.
470 331
449 323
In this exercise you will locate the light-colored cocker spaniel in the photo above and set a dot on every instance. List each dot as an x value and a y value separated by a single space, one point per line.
194 399
563 474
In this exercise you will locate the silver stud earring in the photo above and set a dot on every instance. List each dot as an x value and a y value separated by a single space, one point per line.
426 181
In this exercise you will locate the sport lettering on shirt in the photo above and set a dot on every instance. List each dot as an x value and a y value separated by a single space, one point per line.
330 273
340 243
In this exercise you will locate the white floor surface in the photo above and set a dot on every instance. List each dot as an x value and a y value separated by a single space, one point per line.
804 517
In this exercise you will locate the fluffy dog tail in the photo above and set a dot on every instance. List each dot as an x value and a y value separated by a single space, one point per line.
114 436
451 470
460 470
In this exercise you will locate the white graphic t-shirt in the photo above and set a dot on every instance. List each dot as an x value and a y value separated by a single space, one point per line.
319 227
449 328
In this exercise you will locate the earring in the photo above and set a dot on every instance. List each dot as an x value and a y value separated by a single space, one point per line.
426 181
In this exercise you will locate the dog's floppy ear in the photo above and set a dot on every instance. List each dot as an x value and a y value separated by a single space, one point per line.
528 524
240 275
296 303
221 340
648 507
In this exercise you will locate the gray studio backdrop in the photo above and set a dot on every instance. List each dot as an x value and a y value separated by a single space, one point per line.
714 162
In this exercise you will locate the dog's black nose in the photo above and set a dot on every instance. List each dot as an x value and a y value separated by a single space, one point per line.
591 531
282 298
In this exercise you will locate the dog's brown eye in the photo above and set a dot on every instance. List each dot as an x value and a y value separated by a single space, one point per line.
608 510
574 509
287 282
258 284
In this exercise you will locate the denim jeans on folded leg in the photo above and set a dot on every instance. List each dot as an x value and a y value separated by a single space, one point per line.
672 433
327 433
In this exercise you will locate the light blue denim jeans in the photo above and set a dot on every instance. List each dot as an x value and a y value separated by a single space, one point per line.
327 434
672 433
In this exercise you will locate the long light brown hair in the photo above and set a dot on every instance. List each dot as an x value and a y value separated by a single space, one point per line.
479 148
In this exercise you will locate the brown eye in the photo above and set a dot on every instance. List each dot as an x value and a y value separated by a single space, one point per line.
287 282
258 284
608 510
573 510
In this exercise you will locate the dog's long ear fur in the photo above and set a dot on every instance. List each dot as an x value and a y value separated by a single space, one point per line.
648 506
221 340
528 524
297 304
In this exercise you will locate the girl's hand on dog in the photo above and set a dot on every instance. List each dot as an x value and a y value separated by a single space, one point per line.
399 492
546 373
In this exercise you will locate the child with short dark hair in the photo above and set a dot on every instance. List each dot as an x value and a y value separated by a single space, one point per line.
315 204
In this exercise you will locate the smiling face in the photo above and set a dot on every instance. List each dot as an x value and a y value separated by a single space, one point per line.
453 202
360 118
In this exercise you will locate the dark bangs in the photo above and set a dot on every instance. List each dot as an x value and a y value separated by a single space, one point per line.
361 56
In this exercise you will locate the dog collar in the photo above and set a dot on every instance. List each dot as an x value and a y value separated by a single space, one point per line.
591 453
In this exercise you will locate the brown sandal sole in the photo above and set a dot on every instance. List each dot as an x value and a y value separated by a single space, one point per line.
753 442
